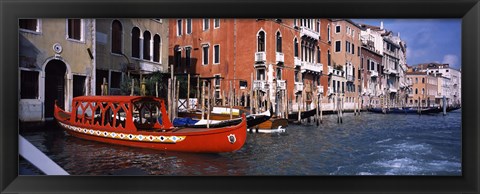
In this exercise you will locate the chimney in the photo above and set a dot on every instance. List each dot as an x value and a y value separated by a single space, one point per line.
398 34
381 25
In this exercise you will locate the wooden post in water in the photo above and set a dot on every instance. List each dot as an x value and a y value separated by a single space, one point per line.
188 91
143 89
169 98
198 91
354 107
340 107
223 98
133 85
208 106
250 104
316 106
203 99
321 111
230 103
267 95
419 102
299 108
156 89
102 88
177 96
444 105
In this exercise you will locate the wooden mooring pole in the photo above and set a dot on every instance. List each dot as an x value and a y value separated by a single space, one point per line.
188 92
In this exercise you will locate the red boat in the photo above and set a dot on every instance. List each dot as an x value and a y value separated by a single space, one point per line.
140 121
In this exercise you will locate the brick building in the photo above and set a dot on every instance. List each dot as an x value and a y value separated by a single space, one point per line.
283 55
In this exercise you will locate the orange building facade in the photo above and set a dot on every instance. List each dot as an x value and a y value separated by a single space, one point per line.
424 89
287 58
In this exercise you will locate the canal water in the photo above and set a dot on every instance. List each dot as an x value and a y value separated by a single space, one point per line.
368 144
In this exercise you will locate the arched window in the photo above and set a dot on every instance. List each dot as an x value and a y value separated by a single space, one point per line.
279 42
146 45
117 32
261 42
295 46
156 48
136 42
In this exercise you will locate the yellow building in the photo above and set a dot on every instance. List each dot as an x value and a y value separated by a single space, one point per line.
56 62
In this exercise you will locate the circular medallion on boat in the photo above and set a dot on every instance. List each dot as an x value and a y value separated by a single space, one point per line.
232 139
133 137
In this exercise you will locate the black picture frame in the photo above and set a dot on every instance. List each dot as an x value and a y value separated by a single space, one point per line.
467 10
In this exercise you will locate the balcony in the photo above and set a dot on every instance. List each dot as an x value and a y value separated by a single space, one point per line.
298 62
304 31
336 72
259 84
260 57
392 89
281 84
313 67
373 73
393 71
410 95
330 70
350 78
298 87
279 58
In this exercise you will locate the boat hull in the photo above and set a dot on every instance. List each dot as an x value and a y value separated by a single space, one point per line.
141 128
405 110
273 125
212 141
294 116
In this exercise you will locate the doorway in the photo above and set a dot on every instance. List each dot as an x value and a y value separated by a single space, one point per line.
55 74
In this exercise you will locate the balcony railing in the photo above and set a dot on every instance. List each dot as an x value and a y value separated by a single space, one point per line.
281 84
279 58
304 31
315 67
391 88
298 86
330 70
373 73
350 78
393 71
260 57
336 72
297 61
259 84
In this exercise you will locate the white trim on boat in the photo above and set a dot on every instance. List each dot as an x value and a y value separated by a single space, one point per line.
278 130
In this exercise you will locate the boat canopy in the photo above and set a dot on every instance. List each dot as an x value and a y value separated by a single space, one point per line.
123 113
